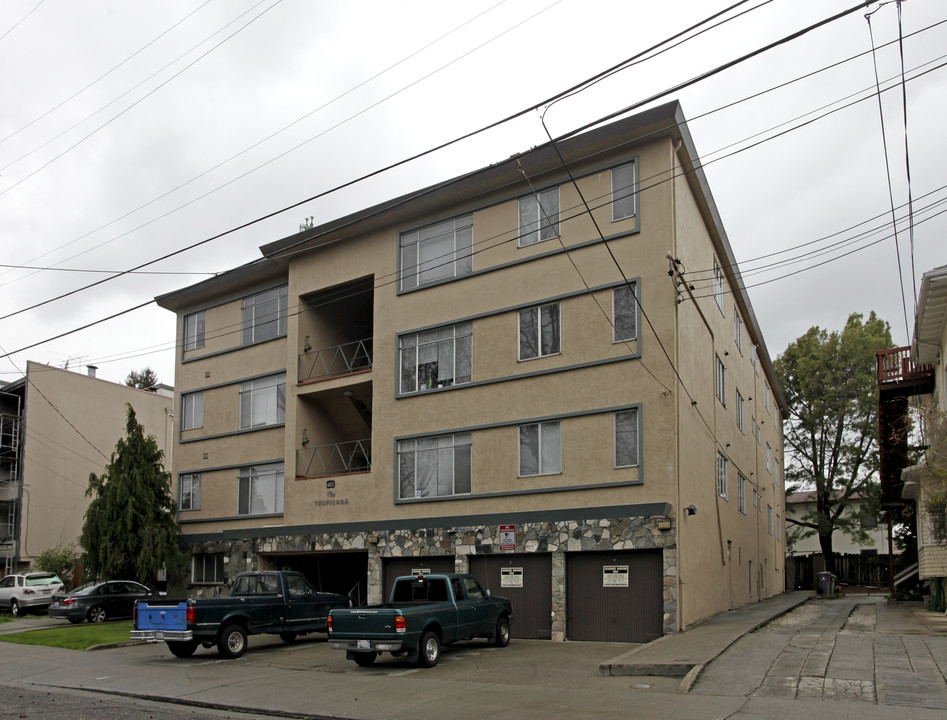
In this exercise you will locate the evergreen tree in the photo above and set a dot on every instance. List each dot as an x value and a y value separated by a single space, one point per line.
142 379
129 530
830 381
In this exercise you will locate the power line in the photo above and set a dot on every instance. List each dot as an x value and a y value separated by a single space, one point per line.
18 22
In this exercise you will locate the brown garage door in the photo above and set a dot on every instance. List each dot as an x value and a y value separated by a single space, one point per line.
526 580
614 596
396 567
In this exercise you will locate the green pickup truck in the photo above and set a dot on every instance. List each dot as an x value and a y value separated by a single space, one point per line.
280 603
425 612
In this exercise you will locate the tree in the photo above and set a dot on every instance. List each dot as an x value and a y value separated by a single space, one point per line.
143 379
830 382
129 530
59 560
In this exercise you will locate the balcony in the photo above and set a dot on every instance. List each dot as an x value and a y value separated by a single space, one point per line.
337 361
898 374
354 456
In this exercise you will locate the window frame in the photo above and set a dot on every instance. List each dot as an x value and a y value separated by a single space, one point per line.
192 410
260 387
637 439
193 479
537 314
741 492
632 289
218 565
410 243
461 335
720 384
544 436
251 325
620 203
738 329
741 416
545 223
260 473
718 284
195 330
723 480
461 452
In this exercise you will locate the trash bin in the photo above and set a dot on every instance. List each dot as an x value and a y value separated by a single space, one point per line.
826 584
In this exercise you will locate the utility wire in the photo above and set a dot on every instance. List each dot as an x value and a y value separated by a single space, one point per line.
17 23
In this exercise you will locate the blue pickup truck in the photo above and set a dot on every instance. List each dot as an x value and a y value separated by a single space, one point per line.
282 603
424 612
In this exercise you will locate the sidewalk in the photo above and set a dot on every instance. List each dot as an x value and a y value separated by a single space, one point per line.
686 654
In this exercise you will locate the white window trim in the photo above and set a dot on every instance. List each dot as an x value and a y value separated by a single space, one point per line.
538 310
189 419
263 472
633 196
194 479
539 450
741 493
195 330
718 285
723 472
249 326
408 446
632 288
257 388
544 225
459 332
740 412
738 329
721 380
460 258
637 461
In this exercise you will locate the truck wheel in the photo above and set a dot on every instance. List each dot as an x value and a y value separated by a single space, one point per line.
183 649
429 651
364 659
288 637
501 636
232 642
97 614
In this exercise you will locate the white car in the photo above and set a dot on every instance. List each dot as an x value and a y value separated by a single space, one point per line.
27 591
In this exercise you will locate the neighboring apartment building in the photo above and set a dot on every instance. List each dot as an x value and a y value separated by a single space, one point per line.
57 427
496 374
927 481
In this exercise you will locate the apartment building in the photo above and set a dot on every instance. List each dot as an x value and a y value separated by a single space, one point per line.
56 427
504 374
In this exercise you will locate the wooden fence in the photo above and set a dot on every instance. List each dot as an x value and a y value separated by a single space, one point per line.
802 571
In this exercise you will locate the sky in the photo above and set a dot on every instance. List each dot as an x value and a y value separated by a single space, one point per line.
130 131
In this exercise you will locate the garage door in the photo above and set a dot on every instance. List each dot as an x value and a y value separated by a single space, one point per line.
526 581
396 567
615 596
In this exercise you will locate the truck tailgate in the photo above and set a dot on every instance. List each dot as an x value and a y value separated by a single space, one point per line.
164 617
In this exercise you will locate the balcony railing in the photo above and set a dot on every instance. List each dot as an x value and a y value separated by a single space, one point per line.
339 360
339 459
896 366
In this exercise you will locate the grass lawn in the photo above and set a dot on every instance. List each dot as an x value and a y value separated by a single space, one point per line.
73 637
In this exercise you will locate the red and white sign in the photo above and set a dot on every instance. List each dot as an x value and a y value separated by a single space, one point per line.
508 537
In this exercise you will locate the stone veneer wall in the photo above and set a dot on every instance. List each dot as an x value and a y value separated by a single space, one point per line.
557 538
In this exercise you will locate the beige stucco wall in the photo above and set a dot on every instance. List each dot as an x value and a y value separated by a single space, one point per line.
61 450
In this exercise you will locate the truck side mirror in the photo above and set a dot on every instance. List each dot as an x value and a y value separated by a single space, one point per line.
488 592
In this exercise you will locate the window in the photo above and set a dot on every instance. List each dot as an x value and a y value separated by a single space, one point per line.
738 329
756 360
741 493
721 381
539 331
190 491
264 315
756 501
540 448
624 313
437 252
626 438
434 466
769 458
778 533
769 519
192 410
624 197
539 217
756 429
722 476
194 327
739 409
207 569
766 397
718 284
263 402
436 358
260 490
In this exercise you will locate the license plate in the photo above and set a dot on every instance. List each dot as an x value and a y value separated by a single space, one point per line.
159 635
363 644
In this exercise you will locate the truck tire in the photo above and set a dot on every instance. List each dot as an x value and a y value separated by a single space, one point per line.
429 649
183 648
364 659
232 642
501 636
288 637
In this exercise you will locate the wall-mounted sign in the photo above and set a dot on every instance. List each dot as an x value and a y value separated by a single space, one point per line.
330 484
508 537
511 577
615 576
420 571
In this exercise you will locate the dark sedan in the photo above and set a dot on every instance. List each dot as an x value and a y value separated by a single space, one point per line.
98 601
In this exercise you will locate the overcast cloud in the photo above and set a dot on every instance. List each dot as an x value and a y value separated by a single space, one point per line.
199 126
